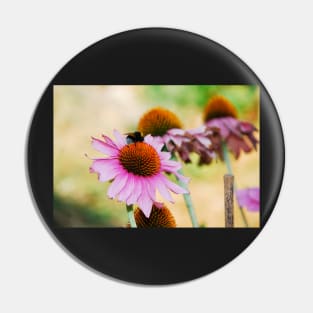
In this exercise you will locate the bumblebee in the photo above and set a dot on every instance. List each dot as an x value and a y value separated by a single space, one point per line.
134 137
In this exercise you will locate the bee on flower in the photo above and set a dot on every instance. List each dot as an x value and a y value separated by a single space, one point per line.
136 170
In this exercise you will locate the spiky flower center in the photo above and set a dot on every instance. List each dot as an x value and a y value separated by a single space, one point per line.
158 121
140 158
219 106
158 218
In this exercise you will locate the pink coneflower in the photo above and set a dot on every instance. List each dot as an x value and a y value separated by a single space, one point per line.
136 170
249 198
238 135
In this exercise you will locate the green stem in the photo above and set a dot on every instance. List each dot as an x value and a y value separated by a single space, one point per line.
187 198
131 217
230 171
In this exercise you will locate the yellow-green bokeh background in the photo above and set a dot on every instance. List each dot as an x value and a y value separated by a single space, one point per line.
83 111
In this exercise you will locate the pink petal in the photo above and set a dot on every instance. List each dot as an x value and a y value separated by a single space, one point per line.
176 131
182 178
233 125
107 169
128 188
254 193
109 141
197 131
170 166
253 206
164 155
103 147
178 140
150 187
245 200
218 122
132 199
145 203
246 127
117 185
205 141
120 140
163 190
156 142
173 187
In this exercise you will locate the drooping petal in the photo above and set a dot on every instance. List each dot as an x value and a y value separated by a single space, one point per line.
218 123
132 199
203 140
163 190
176 131
104 147
165 155
117 185
171 166
246 127
182 178
109 141
178 140
128 188
145 203
106 169
172 186
120 140
155 142
150 187
197 131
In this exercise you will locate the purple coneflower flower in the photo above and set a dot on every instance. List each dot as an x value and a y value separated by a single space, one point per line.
238 135
136 170
249 198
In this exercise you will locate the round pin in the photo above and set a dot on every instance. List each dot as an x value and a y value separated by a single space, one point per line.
155 156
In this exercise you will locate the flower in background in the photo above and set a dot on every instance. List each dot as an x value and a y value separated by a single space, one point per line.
136 170
238 135
158 121
249 198
203 141
166 126
160 217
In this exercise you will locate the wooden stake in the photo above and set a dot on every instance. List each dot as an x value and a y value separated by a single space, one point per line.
229 200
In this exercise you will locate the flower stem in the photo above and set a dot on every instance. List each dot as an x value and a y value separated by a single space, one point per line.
230 171
187 198
131 217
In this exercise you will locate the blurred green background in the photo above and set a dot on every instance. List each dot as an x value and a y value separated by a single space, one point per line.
83 111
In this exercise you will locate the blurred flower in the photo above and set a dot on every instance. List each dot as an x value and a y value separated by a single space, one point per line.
158 121
203 140
238 135
160 217
165 125
249 198
136 170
